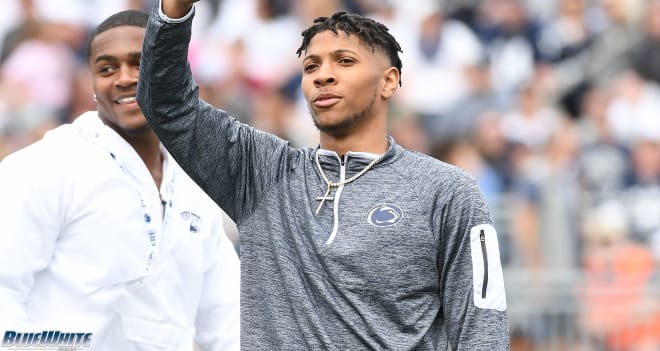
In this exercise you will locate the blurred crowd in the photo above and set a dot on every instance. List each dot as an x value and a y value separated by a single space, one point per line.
554 106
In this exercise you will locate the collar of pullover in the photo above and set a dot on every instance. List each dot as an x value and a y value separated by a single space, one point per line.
354 162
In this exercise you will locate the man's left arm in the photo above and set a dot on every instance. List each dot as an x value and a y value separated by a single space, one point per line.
217 322
474 300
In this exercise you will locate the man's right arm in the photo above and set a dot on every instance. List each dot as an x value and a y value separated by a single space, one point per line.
232 162
30 219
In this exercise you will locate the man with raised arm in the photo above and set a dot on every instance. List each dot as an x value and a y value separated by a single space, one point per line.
355 244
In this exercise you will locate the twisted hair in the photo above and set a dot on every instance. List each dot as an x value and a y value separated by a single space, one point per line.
372 34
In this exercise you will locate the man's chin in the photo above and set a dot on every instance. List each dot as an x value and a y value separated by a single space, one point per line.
136 131
337 128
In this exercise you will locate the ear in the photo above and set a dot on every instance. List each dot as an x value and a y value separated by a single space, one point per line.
391 79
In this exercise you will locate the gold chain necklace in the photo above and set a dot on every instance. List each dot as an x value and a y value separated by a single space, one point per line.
337 184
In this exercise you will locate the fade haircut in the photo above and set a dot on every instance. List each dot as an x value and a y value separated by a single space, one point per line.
371 34
132 18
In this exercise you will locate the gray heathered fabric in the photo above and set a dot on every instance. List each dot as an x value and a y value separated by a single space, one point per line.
403 287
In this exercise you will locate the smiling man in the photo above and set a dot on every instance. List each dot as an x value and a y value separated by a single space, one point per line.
102 235
356 244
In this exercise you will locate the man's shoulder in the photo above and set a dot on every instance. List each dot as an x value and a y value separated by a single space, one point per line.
432 178
420 164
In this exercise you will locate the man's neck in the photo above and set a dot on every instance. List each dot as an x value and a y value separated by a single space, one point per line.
375 144
147 146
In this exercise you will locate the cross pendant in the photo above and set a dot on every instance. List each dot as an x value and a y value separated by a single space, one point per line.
323 198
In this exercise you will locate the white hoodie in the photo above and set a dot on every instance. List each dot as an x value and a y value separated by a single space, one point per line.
80 217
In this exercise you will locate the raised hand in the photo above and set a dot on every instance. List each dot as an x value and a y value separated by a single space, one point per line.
177 8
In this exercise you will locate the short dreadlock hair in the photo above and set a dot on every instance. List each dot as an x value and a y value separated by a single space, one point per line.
372 34
132 18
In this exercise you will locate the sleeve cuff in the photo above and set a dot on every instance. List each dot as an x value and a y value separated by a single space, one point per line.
164 17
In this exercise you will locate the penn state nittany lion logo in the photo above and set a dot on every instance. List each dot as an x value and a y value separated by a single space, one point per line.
384 215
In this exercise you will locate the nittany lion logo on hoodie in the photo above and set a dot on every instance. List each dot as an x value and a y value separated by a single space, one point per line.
384 215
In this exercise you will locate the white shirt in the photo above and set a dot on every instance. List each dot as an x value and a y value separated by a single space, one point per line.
75 247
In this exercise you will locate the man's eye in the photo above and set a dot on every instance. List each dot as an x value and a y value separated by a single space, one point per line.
106 70
310 67
346 61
